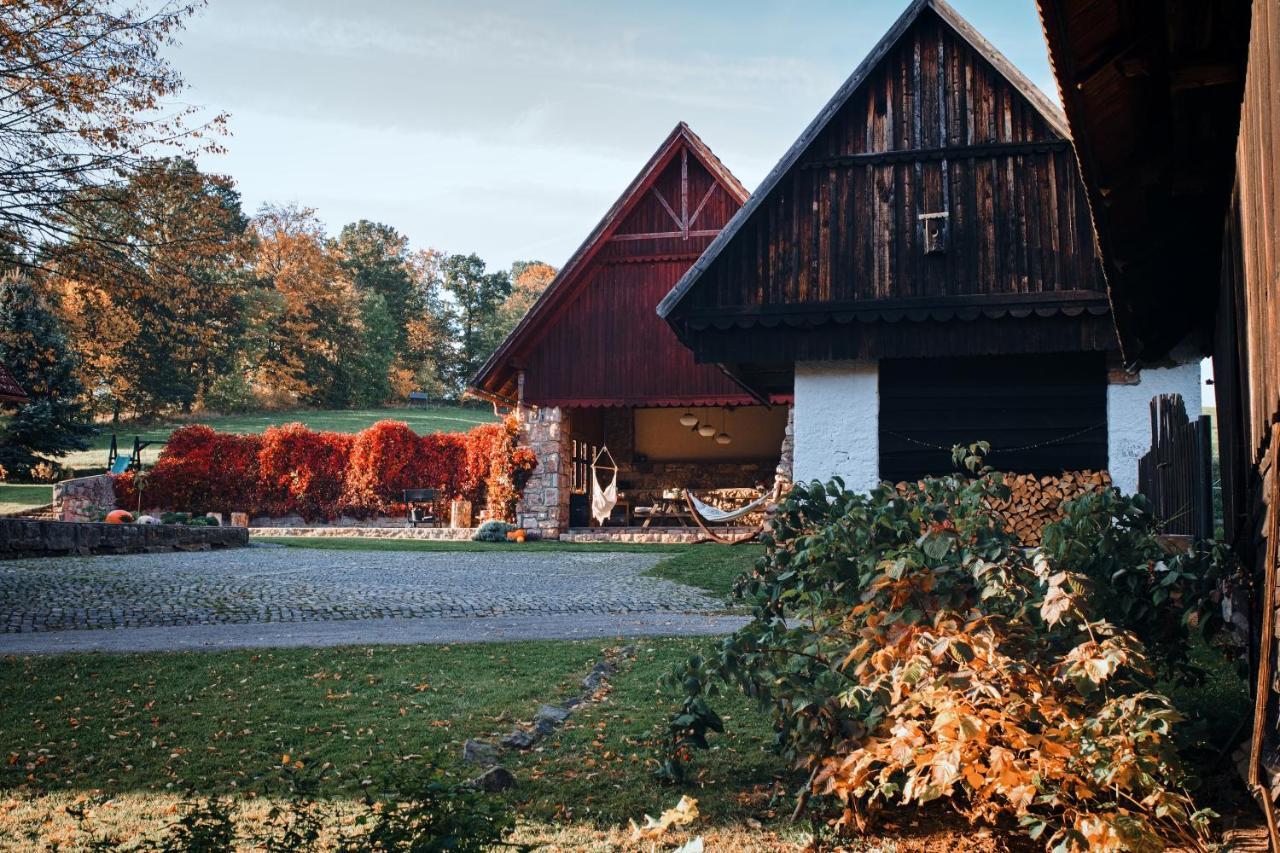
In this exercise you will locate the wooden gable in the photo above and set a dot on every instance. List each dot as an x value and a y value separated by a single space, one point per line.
938 185
10 390
593 338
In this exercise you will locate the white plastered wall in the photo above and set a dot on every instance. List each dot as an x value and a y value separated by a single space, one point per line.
836 412
1129 416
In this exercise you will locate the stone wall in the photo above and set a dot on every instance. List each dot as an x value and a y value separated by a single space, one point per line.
645 481
432 534
21 537
543 507
78 499
787 458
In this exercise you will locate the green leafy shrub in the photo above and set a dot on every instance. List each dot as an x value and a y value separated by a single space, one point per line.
1163 595
910 650
493 531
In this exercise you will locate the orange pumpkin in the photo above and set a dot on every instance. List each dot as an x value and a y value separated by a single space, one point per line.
119 516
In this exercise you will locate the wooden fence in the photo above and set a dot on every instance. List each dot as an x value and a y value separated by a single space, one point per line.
1176 475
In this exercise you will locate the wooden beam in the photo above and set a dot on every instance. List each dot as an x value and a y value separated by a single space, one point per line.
1049 299
967 152
661 235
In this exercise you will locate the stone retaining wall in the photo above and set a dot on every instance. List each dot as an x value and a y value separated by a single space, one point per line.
437 534
27 538
647 535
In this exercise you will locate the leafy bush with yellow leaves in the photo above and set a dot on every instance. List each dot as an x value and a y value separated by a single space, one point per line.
910 651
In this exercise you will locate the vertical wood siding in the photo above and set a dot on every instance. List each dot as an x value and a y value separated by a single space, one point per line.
606 346
934 128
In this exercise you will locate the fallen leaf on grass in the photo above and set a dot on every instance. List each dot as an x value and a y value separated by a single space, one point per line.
684 813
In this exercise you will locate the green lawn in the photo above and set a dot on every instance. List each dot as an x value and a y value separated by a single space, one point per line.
138 726
15 497
709 566
426 419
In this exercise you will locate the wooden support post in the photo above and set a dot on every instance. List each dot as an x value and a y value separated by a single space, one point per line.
1266 643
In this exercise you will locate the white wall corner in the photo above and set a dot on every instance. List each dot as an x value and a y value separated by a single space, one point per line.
837 418
1129 416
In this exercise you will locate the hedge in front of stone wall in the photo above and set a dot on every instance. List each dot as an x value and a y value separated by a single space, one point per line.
293 470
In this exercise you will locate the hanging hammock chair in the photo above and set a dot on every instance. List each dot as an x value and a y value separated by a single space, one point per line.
704 515
603 500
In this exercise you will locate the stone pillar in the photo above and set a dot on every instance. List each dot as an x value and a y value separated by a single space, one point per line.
543 507
787 457
837 423
84 498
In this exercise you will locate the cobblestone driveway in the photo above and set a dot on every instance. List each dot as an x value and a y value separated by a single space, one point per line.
265 585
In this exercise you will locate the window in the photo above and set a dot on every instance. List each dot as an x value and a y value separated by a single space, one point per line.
580 468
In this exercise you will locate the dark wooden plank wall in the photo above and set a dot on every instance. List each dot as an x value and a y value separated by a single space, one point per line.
842 226
1246 345
1176 474
1041 414
1257 208
607 346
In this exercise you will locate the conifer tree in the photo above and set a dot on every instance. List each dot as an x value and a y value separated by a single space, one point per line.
32 345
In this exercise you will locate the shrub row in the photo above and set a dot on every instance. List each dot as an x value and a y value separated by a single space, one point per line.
292 470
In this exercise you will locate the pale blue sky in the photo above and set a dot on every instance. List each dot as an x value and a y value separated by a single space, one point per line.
507 128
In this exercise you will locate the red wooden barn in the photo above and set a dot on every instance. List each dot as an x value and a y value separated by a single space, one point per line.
592 365
10 390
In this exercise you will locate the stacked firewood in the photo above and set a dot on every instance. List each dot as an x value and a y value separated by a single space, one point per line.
1037 501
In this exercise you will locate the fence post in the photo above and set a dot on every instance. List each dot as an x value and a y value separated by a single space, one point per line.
1205 486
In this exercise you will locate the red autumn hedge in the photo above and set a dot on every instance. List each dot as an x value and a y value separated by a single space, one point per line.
291 470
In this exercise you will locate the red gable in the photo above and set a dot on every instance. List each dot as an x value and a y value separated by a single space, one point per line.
10 390
593 338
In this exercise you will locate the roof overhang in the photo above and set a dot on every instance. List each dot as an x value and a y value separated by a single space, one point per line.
1152 96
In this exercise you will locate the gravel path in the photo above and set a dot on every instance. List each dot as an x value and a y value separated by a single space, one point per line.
291 597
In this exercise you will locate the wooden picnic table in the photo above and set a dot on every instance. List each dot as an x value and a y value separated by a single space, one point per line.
666 510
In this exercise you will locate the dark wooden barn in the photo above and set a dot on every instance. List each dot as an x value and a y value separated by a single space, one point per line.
930 229
592 366
1177 121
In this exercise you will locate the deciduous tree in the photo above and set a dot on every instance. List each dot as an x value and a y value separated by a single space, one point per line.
86 95
155 328
314 312
528 280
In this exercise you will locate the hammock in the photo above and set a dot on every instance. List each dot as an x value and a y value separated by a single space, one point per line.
715 515
704 514
603 500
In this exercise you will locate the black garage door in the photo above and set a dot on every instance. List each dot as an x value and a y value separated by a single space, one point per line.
1041 414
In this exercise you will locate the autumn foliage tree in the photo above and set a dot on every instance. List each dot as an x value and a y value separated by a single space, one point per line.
313 311
86 97
528 280
154 329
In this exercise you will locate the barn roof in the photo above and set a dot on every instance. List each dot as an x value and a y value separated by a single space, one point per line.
1153 101
791 159
10 390
638 221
